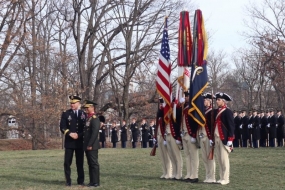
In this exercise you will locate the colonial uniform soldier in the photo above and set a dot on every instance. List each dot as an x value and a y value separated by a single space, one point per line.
173 144
189 134
124 134
237 121
91 143
205 135
144 129
161 141
150 134
71 125
135 133
280 129
255 129
102 131
224 135
272 129
114 134
244 129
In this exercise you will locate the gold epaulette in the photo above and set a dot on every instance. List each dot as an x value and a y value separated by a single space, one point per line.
94 116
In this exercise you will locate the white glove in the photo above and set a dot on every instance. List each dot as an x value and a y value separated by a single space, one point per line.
182 100
268 125
130 130
165 143
229 143
211 142
276 125
248 126
178 142
140 128
100 131
153 140
110 130
193 140
153 128
240 126
120 130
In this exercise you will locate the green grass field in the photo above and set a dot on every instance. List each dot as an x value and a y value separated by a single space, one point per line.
262 168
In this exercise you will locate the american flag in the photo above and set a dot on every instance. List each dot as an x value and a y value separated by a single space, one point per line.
163 84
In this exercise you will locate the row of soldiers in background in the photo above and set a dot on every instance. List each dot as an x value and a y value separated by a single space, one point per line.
143 133
259 128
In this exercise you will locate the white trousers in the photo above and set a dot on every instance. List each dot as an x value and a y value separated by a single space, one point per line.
191 156
175 157
222 155
210 167
164 157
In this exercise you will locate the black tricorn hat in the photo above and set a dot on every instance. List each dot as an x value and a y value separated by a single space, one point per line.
102 118
161 100
186 93
88 103
208 96
223 96
74 99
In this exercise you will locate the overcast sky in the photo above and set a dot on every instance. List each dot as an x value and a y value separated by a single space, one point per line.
224 20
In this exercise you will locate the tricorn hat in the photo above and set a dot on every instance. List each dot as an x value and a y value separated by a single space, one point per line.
208 96
161 100
186 93
223 96
74 99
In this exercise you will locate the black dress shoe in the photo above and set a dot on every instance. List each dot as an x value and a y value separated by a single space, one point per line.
187 180
68 184
194 180
82 184
93 185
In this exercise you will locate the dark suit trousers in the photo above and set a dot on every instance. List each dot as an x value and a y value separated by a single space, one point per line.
92 159
123 144
103 144
79 155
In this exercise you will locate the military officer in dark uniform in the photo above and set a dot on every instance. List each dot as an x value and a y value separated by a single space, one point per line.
71 125
263 129
135 133
114 135
237 120
280 129
272 129
102 131
151 134
91 143
124 136
250 121
144 130
255 129
244 128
